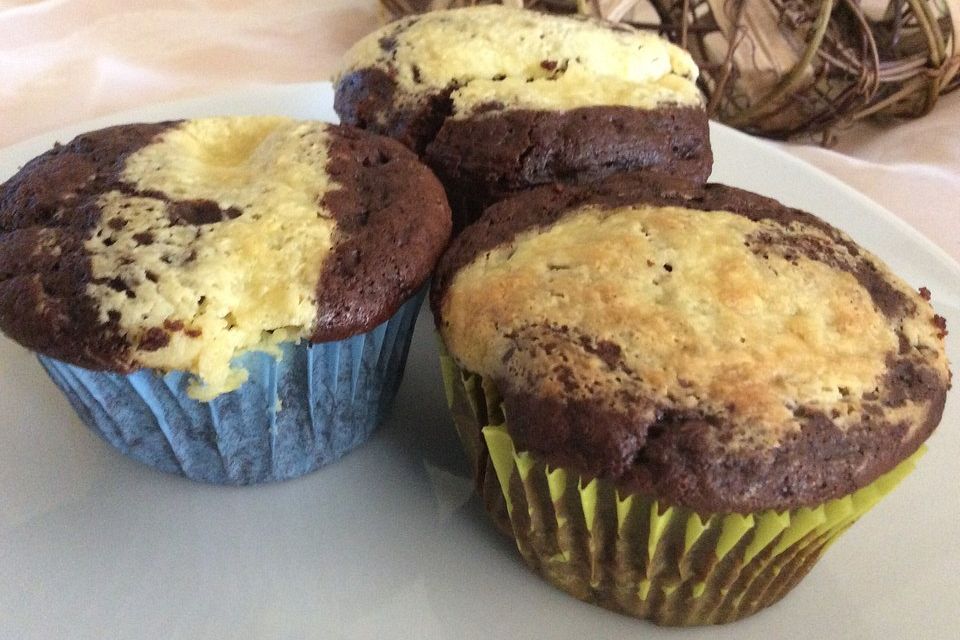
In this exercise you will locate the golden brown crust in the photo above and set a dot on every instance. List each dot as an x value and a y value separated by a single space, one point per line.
700 344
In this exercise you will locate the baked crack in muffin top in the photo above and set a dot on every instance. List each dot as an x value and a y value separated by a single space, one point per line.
700 344
181 245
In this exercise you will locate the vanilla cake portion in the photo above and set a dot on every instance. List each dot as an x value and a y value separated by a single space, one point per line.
702 344
497 99
527 60
182 245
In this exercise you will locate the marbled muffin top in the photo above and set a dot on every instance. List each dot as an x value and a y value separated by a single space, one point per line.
527 60
703 345
497 100
181 245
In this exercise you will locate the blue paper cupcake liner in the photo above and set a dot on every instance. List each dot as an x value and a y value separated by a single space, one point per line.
292 415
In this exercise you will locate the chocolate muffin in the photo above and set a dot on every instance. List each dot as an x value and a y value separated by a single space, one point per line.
676 396
497 100
191 284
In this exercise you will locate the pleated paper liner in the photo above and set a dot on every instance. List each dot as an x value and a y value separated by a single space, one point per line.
473 407
632 553
293 415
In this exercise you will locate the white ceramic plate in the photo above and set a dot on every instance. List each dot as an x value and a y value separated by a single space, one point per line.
389 543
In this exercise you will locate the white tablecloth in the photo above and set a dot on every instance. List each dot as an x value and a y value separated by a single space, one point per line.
63 62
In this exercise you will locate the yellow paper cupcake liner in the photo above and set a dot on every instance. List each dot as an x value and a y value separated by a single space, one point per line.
632 553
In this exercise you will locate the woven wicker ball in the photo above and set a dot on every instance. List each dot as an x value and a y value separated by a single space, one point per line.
787 68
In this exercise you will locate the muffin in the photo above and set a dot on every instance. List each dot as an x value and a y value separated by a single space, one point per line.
674 396
497 99
230 299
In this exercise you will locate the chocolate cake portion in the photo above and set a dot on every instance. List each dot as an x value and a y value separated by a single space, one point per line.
497 100
487 158
180 245
695 343
47 212
393 221
368 99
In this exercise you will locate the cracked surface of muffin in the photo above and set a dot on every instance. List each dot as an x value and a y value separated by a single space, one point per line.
701 344
497 99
